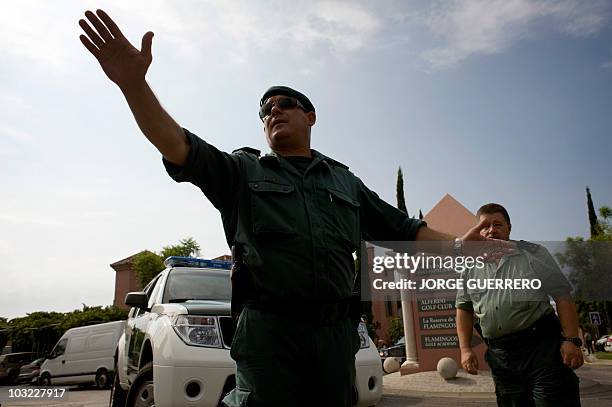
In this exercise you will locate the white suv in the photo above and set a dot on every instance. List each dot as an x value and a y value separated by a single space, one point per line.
175 349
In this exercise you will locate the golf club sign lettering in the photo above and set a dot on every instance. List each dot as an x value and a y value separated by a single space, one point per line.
437 322
436 304
439 341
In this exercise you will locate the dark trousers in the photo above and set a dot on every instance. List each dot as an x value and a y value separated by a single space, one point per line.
528 370
290 362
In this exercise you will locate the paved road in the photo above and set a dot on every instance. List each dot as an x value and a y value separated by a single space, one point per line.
76 398
599 395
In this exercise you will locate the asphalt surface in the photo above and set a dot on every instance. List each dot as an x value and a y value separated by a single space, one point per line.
597 394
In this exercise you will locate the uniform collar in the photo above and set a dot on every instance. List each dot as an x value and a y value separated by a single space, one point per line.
274 159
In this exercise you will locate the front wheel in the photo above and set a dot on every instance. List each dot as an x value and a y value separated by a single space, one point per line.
141 392
118 395
102 379
13 377
45 380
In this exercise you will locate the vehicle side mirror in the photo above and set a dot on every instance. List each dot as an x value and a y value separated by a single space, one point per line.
137 299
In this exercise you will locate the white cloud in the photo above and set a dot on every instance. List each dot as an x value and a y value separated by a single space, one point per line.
47 32
27 220
13 104
15 134
472 27
607 65
30 29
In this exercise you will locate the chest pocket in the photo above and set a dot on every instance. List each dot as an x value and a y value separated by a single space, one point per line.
477 296
344 217
272 207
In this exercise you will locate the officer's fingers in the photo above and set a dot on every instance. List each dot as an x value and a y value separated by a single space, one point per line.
567 358
484 223
93 36
92 48
576 362
114 29
100 27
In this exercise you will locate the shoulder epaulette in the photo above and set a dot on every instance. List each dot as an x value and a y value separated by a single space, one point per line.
333 162
249 150
528 246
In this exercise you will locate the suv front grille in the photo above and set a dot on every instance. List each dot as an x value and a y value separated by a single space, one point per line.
227 330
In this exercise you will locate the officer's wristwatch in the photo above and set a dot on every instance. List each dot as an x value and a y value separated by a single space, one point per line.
576 341
458 247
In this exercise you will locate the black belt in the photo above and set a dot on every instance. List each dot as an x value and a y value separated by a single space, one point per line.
547 325
317 313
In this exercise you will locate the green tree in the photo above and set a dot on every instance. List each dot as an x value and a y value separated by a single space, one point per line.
396 329
590 263
186 247
595 227
401 201
39 331
148 264
4 332
605 224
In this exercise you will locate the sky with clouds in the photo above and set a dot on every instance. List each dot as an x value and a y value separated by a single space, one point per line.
501 100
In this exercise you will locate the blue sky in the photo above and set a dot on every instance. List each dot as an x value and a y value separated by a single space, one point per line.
505 101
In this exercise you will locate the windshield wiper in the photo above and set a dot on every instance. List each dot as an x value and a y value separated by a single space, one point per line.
183 299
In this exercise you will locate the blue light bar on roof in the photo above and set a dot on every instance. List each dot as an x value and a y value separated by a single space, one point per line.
178 261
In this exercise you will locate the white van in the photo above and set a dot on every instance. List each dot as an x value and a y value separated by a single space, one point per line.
83 355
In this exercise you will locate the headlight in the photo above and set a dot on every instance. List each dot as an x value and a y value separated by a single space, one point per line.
197 330
362 330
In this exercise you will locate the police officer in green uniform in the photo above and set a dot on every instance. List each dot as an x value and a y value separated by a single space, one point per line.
531 351
293 217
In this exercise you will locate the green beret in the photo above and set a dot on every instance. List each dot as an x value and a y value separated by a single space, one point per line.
286 91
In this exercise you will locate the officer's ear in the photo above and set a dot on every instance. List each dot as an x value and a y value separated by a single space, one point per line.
311 118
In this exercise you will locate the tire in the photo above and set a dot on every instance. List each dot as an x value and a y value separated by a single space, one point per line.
45 380
102 379
118 396
12 377
141 391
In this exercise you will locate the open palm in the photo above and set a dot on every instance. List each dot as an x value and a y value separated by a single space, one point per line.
121 61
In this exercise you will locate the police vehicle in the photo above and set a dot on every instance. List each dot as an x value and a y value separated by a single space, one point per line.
175 348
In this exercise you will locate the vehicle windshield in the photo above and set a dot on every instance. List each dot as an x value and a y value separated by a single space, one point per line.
197 284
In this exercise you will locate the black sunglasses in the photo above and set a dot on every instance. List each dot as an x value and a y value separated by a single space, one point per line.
284 102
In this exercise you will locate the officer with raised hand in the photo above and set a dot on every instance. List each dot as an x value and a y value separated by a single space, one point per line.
293 218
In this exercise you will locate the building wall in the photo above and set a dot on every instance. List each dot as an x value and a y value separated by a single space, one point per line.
125 282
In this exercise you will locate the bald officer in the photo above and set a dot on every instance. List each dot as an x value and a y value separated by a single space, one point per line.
531 351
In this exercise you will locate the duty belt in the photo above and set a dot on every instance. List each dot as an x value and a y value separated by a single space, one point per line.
547 325
318 313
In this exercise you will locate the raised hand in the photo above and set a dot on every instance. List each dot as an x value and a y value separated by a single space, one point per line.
492 250
121 61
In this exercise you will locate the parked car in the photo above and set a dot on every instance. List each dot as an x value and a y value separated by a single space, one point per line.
176 346
608 344
601 343
10 364
395 351
29 373
83 355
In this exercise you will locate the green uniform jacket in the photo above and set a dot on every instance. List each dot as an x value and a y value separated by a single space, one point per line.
297 231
